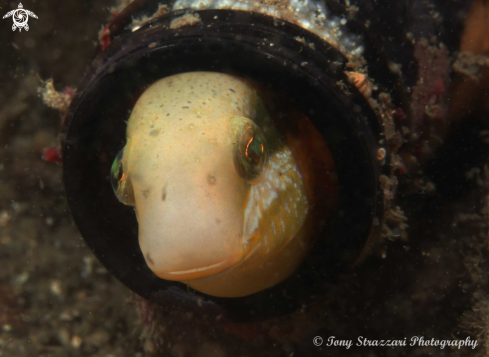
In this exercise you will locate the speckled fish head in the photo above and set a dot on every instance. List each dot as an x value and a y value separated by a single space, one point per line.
210 180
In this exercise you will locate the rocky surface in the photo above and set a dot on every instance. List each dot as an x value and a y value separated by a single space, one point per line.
55 298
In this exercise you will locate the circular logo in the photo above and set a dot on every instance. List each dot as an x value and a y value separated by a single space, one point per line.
20 17
318 340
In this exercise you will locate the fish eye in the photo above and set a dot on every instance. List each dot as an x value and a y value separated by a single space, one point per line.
251 152
118 179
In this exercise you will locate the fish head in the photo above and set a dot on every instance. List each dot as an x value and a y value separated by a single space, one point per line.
190 157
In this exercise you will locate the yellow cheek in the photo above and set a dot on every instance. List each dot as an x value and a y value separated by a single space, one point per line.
276 240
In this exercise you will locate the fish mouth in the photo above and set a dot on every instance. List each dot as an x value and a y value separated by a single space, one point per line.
208 271
201 272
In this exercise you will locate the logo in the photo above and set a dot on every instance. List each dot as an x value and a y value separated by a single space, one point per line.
318 341
20 17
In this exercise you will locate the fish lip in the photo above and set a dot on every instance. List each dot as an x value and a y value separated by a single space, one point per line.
199 273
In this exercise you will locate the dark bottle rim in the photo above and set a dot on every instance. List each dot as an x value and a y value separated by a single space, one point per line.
248 45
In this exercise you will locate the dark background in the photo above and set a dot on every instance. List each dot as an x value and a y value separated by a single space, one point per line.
57 300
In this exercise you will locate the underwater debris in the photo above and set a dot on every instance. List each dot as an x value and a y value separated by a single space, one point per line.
394 225
386 110
139 22
476 320
52 155
344 88
104 37
362 82
185 20
54 99
433 70
300 40
470 64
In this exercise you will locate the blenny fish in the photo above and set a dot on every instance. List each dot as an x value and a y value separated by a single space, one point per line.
227 190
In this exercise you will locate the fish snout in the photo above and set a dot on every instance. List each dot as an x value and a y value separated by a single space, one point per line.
191 231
